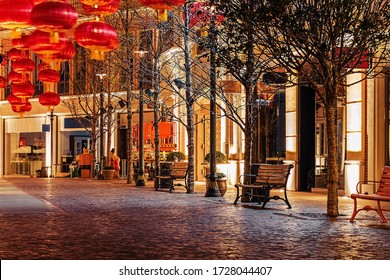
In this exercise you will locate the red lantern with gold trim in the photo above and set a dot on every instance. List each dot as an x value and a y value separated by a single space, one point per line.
54 17
15 14
49 99
66 54
15 54
26 107
20 43
162 6
3 82
23 65
43 66
98 37
23 90
102 10
14 100
17 78
49 76
40 43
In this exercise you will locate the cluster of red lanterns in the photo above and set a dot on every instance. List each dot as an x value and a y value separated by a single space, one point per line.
97 36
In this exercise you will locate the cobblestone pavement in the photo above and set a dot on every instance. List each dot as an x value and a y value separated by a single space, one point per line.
74 218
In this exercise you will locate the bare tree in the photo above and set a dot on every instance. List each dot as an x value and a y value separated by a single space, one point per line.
322 42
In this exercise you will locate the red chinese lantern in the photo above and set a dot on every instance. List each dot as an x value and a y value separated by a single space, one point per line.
98 37
3 82
22 108
15 101
23 65
49 99
20 43
102 10
54 17
15 54
17 78
162 6
65 54
15 14
49 76
23 90
40 43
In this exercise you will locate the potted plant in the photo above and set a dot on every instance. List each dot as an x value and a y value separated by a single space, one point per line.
221 182
176 156
219 156
108 172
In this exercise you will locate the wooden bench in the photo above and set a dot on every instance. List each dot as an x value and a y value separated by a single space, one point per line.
382 194
268 177
168 177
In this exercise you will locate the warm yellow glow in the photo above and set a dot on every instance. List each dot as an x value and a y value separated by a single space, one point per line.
354 91
291 129
352 175
354 117
354 142
291 143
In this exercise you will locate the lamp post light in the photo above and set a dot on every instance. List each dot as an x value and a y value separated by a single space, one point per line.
101 105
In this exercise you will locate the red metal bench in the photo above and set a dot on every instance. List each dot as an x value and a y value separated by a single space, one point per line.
382 194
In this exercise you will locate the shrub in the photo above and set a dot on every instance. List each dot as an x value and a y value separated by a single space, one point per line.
176 156
220 157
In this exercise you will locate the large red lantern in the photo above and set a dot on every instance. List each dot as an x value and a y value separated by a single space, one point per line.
49 99
98 37
23 90
102 10
49 76
17 78
65 54
54 17
15 14
3 82
40 42
162 6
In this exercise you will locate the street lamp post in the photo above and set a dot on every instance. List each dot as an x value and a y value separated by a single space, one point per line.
213 190
101 105
141 179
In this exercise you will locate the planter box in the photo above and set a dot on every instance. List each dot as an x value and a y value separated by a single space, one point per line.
108 174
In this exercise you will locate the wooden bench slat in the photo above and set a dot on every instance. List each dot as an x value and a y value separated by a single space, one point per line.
178 171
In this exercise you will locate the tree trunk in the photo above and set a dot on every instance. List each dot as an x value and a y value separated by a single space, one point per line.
333 174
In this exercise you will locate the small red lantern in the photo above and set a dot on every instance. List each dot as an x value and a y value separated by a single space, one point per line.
49 76
20 43
54 17
15 101
162 6
102 10
15 14
17 78
23 90
40 43
23 65
98 37
22 108
15 54
3 82
49 99
43 66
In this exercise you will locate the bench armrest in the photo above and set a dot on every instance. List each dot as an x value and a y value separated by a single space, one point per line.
368 182
242 177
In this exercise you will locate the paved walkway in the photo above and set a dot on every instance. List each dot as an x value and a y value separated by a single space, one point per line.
74 218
